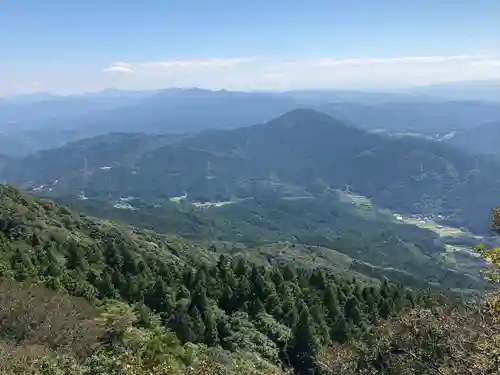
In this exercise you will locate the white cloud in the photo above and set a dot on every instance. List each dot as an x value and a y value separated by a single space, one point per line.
305 73
323 72
120 67
274 75
382 72
196 64
328 62
488 63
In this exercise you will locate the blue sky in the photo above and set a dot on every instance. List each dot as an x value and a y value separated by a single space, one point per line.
70 46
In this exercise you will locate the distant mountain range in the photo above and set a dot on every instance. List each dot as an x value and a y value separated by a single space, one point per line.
481 90
301 153
431 118
169 111
35 111
32 125
483 138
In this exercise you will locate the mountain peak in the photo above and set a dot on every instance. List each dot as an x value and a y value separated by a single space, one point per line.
306 117
305 112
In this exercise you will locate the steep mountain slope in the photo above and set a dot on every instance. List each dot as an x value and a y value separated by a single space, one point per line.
483 138
80 295
301 153
164 305
24 218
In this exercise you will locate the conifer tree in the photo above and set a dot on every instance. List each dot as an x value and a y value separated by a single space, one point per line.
302 349
352 312
211 332
197 324
340 330
386 308
226 300
199 299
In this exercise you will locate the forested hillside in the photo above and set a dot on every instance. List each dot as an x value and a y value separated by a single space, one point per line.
97 298
321 231
206 300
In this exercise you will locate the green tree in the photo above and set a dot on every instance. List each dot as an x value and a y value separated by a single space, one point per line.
256 307
197 325
211 332
180 322
340 330
273 305
22 265
303 346
290 313
352 312
35 240
322 331
199 299
386 308
76 258
226 300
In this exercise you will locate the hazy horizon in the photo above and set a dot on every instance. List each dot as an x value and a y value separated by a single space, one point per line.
408 90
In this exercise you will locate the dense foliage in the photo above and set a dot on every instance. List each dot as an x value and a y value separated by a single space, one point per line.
44 332
280 314
144 304
439 339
